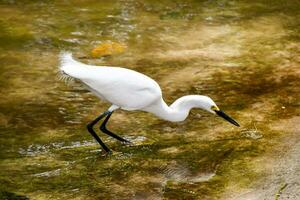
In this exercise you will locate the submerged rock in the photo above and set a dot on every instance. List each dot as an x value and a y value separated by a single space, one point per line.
11 195
180 174
251 134
107 49
48 173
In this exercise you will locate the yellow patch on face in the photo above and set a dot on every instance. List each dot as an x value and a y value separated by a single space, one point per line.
215 108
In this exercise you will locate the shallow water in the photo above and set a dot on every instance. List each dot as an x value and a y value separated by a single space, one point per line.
245 55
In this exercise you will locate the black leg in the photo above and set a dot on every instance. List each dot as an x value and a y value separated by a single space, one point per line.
92 132
104 130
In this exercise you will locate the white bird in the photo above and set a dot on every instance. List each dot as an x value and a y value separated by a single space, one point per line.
130 90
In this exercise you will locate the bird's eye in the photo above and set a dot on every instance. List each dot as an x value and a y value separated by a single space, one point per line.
214 108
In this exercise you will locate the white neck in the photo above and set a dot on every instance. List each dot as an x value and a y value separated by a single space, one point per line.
179 110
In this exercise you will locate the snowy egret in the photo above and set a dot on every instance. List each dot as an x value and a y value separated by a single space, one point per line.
130 90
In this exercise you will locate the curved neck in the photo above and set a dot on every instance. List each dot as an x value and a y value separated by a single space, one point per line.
179 110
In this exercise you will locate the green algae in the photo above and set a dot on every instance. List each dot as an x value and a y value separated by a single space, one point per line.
247 63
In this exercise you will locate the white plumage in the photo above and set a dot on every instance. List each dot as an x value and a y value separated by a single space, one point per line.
131 90
122 87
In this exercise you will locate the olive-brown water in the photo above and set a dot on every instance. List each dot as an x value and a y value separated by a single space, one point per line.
243 54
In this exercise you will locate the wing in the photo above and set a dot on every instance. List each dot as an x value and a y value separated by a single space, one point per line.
123 87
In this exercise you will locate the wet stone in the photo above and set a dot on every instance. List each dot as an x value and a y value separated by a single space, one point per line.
251 134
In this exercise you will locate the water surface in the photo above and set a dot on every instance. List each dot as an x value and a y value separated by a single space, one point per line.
244 55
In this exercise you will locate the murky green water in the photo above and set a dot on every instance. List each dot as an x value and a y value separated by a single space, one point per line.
245 55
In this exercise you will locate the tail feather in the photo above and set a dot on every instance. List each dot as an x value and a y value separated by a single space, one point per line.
65 58
69 66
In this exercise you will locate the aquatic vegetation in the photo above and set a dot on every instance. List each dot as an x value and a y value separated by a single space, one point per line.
243 54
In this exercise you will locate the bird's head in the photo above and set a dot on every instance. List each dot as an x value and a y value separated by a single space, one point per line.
209 105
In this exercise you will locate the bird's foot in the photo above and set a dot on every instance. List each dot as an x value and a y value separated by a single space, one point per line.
106 153
126 142
113 154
